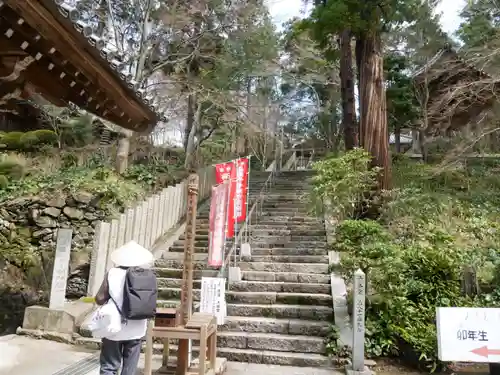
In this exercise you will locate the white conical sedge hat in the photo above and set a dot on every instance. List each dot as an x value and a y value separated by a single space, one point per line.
131 255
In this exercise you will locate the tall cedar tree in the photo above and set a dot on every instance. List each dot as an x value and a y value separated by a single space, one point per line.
367 20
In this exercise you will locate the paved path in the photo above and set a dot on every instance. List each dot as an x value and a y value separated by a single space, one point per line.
22 355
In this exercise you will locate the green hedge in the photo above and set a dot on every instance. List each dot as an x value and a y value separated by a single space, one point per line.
31 140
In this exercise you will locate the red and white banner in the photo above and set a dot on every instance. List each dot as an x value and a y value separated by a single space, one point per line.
238 188
223 172
218 215
236 173
240 198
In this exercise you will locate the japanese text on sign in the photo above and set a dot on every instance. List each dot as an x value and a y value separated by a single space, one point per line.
464 334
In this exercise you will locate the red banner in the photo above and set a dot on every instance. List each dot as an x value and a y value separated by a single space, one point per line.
231 203
218 215
240 198
238 189
223 171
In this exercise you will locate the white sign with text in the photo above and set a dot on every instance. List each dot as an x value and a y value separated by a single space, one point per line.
467 334
213 299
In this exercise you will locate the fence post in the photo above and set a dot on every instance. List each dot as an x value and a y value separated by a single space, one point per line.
130 225
98 260
358 319
136 234
161 213
122 228
149 222
177 204
154 218
169 208
143 224
113 240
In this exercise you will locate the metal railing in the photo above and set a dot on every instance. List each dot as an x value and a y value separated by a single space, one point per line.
253 215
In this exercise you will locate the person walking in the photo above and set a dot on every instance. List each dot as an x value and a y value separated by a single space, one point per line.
132 288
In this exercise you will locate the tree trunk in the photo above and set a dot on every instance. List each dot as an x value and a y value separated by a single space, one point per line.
347 92
122 155
373 115
190 132
397 138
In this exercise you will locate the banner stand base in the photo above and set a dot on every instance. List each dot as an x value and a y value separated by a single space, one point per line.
234 274
246 250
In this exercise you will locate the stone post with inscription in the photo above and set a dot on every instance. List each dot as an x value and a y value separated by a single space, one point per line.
61 267
358 329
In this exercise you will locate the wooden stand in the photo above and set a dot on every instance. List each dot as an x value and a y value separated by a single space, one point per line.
202 327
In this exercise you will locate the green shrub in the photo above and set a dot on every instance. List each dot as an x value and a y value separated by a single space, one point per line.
343 182
4 182
29 140
46 137
12 168
69 160
12 140
406 281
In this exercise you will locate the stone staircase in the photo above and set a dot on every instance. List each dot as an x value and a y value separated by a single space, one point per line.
282 308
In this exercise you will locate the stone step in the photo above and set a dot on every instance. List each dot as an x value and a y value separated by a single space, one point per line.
280 287
287 215
259 298
255 286
287 220
271 341
289 258
272 238
288 251
282 277
292 227
287 277
176 273
262 236
284 209
319 313
274 325
202 232
261 356
180 249
283 311
265 244
285 267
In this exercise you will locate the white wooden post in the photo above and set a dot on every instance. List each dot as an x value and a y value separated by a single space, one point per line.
98 260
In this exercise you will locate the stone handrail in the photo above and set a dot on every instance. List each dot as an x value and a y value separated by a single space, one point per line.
145 223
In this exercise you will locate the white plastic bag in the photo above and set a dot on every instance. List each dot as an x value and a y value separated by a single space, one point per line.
104 321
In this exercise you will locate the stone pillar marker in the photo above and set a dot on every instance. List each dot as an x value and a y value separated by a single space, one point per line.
358 321
61 267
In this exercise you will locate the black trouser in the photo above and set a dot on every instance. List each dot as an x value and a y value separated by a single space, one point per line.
116 353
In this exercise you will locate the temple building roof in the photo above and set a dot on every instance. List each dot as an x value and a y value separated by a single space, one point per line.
453 91
47 48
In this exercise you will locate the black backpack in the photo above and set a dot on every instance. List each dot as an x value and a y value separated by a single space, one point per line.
139 294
